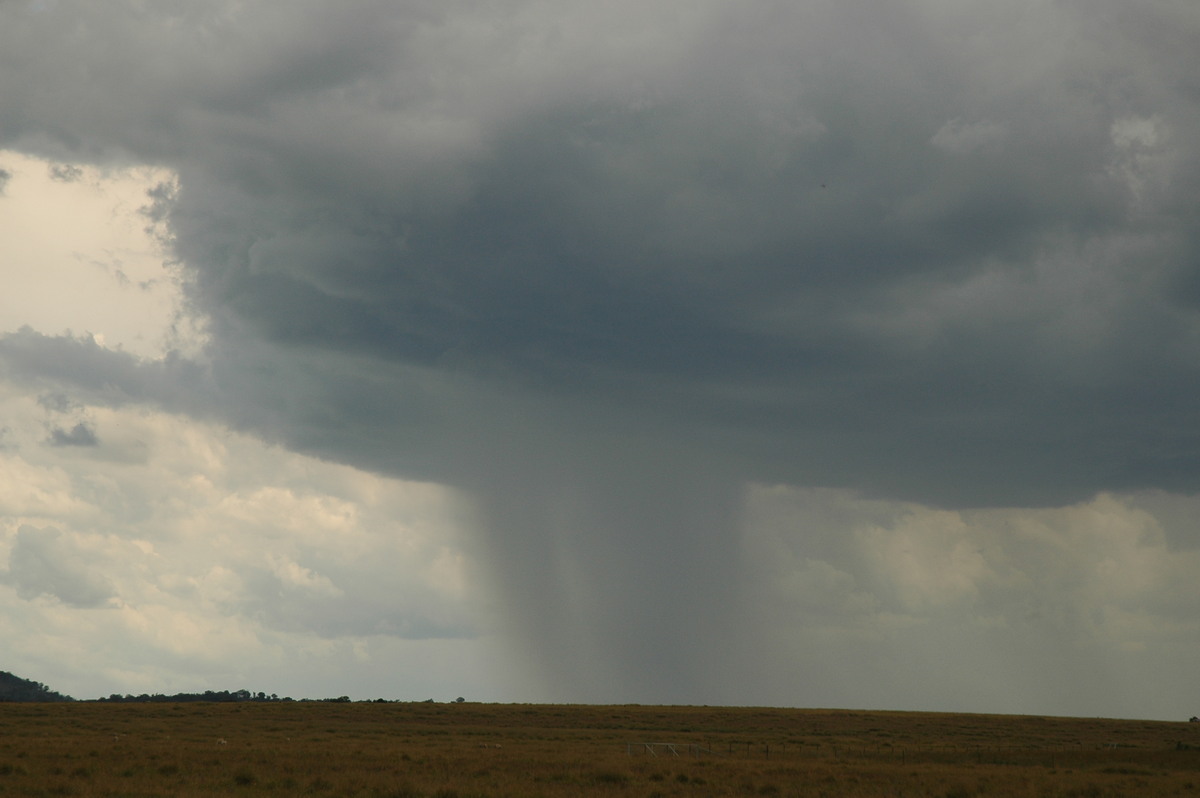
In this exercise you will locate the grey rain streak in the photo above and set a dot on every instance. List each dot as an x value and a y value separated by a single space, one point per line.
603 267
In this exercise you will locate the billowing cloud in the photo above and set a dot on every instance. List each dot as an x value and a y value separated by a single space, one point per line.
603 267
211 558
879 602
79 435
44 563
978 288
65 172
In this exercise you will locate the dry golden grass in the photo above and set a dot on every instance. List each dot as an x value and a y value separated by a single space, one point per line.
464 750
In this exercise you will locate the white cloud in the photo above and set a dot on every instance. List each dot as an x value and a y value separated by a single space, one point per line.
927 559
294 574
77 256
156 564
42 562
1089 586
28 491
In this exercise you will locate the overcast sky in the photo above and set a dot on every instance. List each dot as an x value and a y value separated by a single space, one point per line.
788 353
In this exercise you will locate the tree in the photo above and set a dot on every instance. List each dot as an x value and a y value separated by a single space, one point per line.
14 688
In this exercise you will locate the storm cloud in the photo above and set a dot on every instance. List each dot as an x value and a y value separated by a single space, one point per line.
602 267
855 243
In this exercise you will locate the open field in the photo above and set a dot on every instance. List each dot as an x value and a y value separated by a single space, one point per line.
446 750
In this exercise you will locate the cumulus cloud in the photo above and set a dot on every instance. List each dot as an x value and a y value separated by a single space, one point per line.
217 559
602 267
65 172
57 402
1032 608
44 562
79 435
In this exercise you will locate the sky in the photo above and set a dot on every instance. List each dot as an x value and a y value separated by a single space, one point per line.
821 354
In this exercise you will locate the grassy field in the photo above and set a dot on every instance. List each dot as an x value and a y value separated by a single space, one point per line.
447 750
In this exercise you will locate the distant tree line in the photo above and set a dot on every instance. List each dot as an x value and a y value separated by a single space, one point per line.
14 688
227 696
221 696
